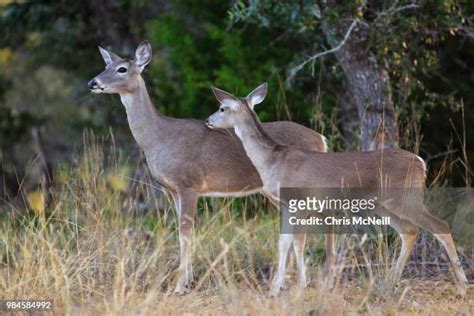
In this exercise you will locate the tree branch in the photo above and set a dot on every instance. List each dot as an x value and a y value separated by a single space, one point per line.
295 70
394 9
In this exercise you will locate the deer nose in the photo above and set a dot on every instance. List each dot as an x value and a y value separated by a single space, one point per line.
91 84
209 124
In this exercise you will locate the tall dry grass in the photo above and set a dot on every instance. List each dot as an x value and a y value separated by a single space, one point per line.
92 251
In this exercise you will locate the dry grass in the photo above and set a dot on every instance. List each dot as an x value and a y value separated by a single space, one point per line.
92 253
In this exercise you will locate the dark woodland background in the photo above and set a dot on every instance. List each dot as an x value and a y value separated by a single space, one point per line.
408 64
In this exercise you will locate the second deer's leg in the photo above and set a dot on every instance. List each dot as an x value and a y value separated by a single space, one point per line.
440 229
298 247
408 234
186 206
330 257
330 248
448 243
284 244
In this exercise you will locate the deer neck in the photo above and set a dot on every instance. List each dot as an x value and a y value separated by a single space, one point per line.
144 120
258 145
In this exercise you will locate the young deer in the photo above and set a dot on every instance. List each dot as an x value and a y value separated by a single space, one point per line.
282 166
188 159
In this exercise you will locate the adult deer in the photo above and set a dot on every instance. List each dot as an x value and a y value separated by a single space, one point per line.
185 157
282 166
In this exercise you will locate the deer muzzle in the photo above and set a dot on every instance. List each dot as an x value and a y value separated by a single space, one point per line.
94 85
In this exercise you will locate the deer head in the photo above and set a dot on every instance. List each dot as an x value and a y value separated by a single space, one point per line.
121 75
233 108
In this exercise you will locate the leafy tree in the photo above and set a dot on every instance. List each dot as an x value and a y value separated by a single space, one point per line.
48 51
387 51
195 48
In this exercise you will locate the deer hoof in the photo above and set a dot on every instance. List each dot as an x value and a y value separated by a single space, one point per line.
460 296
275 290
181 290
461 292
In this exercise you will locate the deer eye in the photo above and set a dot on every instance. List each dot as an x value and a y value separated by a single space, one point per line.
122 70
222 109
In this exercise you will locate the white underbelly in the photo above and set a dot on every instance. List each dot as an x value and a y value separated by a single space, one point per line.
230 194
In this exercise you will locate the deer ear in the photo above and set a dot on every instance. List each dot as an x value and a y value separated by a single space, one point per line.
143 54
257 95
225 98
107 56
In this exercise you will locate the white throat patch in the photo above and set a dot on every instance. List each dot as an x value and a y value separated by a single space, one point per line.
126 100
238 132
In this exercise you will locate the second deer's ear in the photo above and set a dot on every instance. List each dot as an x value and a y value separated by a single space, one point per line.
225 98
143 54
107 56
257 95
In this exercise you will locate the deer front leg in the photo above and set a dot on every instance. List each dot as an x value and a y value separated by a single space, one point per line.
186 208
279 280
284 244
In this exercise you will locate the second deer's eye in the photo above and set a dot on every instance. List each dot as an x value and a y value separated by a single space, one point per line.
122 70
222 109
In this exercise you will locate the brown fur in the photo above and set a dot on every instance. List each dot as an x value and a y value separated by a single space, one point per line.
187 158
280 165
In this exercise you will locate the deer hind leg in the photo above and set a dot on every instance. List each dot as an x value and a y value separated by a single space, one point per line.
440 229
408 234
330 249
448 243
298 247
186 207
331 270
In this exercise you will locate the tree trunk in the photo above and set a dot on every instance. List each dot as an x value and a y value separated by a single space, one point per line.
367 83
46 178
349 118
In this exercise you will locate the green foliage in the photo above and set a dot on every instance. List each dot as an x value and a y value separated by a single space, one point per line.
236 60
48 52
300 16
421 46
14 125
407 49
49 94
